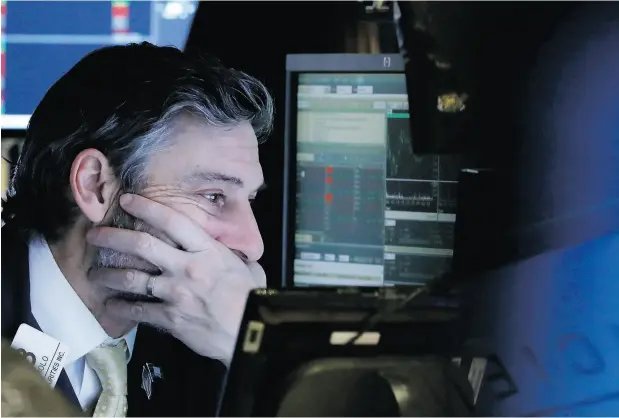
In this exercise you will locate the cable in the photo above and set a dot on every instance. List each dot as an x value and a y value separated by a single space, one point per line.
437 284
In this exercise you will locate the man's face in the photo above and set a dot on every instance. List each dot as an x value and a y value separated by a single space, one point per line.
210 175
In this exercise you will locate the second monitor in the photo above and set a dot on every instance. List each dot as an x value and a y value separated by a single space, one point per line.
362 208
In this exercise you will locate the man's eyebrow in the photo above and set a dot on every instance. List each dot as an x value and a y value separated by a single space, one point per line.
212 177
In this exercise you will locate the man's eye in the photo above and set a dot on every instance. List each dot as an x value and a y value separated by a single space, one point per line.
216 199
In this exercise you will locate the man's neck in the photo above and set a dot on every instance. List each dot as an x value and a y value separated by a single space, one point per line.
75 257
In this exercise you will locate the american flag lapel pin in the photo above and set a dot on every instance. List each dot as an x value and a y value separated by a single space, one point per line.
150 372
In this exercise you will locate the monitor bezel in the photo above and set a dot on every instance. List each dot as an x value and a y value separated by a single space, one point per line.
315 63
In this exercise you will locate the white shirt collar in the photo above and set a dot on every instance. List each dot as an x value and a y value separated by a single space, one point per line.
60 312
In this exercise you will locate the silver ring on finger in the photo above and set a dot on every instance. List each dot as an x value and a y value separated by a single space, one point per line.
150 286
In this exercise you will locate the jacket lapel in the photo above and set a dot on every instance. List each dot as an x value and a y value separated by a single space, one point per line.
189 385
15 283
152 347
15 296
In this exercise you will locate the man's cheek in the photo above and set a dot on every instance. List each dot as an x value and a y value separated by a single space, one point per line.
207 222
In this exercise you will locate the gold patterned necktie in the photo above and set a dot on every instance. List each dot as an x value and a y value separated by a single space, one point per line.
110 364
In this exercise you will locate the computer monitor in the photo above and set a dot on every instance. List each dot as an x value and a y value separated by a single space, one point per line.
41 40
290 337
360 208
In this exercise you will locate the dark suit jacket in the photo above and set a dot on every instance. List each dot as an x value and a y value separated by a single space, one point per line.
190 384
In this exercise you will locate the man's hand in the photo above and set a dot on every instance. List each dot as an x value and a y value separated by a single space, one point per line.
203 287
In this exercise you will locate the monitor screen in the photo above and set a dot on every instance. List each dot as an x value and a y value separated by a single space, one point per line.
367 210
41 40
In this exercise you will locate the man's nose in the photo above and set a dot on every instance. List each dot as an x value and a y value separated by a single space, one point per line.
243 237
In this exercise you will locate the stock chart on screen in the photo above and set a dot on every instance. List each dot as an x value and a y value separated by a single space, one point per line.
368 210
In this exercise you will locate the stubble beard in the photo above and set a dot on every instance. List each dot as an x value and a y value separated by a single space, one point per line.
108 258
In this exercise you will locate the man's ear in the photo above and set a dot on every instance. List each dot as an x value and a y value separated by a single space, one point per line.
93 184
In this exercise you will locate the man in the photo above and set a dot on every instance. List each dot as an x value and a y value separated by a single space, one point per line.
131 204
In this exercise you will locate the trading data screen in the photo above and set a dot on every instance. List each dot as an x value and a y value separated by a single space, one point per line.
368 211
41 40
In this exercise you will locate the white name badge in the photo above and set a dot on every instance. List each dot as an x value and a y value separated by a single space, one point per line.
45 353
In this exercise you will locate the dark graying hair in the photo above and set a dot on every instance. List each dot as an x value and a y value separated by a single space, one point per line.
125 102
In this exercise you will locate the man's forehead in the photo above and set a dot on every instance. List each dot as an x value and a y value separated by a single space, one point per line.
209 154
201 177
241 133
236 142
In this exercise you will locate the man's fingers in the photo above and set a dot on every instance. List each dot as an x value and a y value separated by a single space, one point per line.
154 313
132 281
174 224
140 244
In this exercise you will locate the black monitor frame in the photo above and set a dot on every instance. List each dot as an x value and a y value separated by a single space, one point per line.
315 63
